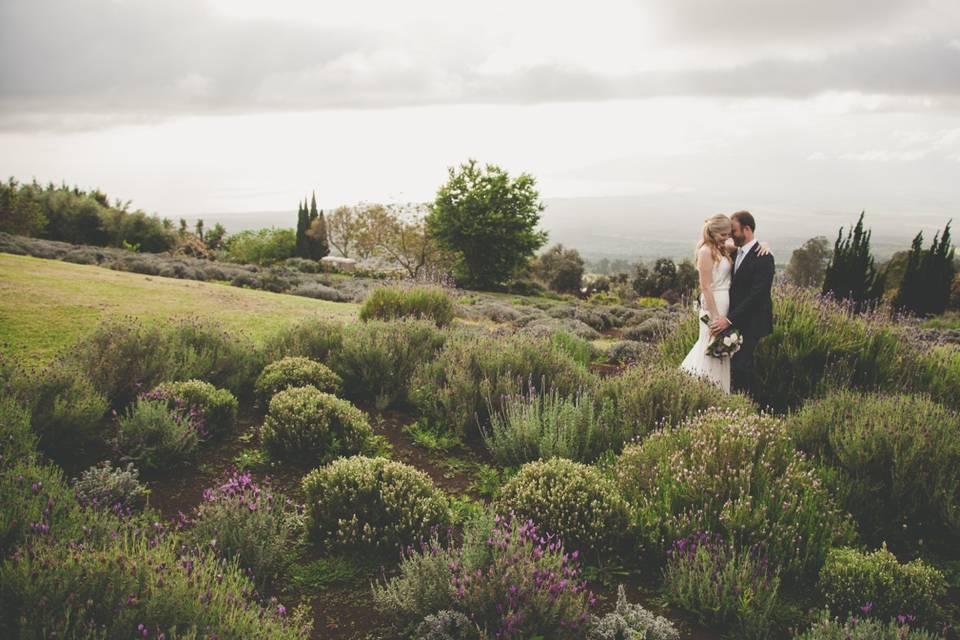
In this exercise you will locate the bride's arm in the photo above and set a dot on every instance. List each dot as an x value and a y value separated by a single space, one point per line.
705 269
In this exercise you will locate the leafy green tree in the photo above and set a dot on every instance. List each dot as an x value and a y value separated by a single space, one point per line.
489 220
560 269
808 264
688 279
925 289
852 274
19 215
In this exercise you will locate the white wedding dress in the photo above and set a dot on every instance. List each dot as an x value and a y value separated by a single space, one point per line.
697 362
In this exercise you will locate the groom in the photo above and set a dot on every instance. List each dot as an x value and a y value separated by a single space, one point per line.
751 306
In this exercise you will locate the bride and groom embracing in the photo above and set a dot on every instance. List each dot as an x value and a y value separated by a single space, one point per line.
736 275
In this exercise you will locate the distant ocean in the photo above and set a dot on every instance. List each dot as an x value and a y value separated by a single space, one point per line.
648 227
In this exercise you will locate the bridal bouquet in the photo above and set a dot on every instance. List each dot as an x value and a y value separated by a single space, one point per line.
724 344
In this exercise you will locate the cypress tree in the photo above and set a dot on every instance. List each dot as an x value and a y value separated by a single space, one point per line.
925 289
301 250
317 245
852 273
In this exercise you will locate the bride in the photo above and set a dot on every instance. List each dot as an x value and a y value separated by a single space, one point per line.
715 266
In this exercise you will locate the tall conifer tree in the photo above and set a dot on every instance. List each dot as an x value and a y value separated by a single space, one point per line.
852 274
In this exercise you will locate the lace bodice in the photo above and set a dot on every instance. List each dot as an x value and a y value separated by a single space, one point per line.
722 274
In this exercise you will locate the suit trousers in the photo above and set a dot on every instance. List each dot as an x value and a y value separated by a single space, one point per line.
741 366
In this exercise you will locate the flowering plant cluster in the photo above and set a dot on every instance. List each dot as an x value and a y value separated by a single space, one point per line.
295 371
528 586
508 578
373 503
141 583
307 424
738 475
722 584
860 628
240 519
572 499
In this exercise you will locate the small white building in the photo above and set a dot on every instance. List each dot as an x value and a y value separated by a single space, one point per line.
341 264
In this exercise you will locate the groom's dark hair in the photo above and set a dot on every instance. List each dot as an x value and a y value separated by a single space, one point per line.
745 218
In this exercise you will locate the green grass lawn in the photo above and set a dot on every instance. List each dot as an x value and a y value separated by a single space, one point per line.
45 305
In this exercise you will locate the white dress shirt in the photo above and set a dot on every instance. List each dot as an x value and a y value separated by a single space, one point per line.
742 253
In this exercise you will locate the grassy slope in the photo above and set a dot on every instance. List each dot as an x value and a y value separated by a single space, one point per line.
47 304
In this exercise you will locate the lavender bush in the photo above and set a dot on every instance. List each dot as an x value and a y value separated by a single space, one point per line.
243 520
722 584
156 436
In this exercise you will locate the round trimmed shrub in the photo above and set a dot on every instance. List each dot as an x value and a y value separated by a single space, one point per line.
738 475
219 406
646 396
896 458
372 503
307 424
106 487
295 371
850 579
570 499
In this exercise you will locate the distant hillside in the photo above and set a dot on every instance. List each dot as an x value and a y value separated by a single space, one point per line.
666 225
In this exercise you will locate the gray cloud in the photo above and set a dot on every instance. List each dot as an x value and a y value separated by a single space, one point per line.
96 63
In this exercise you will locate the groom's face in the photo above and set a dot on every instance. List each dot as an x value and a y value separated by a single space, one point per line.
736 231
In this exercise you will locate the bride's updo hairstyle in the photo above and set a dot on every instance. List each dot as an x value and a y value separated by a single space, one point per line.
712 228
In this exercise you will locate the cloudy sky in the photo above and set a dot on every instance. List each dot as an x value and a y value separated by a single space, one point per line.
190 106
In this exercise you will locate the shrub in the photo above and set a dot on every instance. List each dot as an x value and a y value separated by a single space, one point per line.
447 625
138 585
722 585
897 457
423 584
35 504
626 351
217 406
630 621
508 577
737 475
306 424
646 396
239 519
123 357
312 338
859 628
876 584
295 371
570 499
372 503
66 412
17 440
320 292
530 426
647 331
450 391
377 359
105 486
577 348
420 303
156 436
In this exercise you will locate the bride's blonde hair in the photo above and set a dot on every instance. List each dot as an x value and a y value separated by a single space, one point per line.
713 226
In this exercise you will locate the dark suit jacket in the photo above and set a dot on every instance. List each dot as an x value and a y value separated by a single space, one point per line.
751 304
